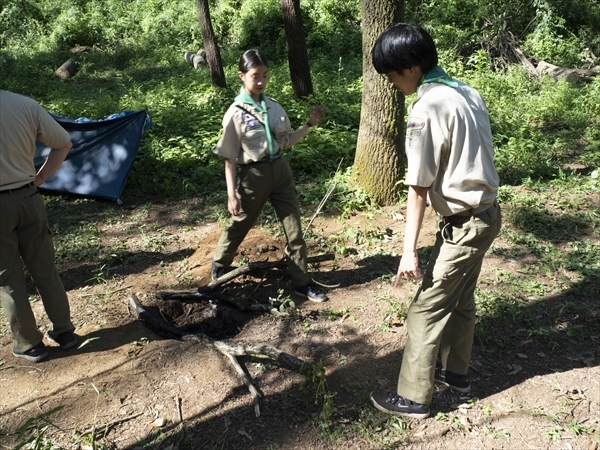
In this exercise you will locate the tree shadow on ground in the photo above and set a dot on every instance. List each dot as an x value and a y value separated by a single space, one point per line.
292 413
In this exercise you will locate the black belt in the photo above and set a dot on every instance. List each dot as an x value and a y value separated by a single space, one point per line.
7 191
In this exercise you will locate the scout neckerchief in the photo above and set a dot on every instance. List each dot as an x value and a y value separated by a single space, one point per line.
244 97
437 75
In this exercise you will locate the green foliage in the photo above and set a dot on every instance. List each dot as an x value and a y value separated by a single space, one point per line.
563 32
32 434
253 24
537 128
45 24
333 27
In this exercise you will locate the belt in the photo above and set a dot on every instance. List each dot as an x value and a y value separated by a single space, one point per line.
470 212
8 191
267 158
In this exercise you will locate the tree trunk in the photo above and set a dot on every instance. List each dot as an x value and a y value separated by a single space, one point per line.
213 55
296 48
378 164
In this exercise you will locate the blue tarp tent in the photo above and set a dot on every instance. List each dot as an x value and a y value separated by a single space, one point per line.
101 158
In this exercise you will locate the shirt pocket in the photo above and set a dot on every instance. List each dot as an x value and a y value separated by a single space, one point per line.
254 139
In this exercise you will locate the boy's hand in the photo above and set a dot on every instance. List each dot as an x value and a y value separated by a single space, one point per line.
316 115
233 205
408 268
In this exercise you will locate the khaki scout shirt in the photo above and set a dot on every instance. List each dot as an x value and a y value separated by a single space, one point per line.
449 148
22 122
244 138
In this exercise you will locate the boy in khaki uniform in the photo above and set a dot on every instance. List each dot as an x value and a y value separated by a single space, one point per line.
24 234
255 129
450 164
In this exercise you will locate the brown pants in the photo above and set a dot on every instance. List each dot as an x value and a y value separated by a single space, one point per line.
24 233
441 317
258 183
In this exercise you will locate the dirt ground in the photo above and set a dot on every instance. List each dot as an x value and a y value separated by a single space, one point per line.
158 392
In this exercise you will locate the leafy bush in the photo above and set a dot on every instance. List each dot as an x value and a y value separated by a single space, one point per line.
251 24
333 27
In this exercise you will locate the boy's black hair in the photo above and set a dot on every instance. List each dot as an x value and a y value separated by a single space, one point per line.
403 46
251 58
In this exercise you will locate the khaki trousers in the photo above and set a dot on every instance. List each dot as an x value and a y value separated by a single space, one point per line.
441 317
257 183
24 233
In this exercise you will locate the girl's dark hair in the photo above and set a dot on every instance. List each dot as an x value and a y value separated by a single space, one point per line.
403 46
251 58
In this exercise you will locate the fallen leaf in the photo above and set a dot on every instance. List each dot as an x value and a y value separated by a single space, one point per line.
244 433
87 341
160 422
329 360
516 370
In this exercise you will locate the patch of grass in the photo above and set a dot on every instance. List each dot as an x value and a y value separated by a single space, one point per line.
385 432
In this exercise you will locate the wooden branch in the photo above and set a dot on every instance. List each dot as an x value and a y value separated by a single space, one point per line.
324 200
564 74
284 359
141 313
526 63
209 294
245 378
109 425
265 265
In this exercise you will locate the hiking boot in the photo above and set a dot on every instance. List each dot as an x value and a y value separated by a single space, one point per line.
35 354
66 340
311 292
392 403
217 272
456 382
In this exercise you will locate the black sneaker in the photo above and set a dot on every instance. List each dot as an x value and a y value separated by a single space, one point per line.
456 382
66 340
392 403
311 292
217 272
35 354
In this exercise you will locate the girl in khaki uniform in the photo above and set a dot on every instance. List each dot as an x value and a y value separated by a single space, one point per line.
255 129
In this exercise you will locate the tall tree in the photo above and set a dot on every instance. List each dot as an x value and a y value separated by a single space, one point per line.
213 55
296 48
378 164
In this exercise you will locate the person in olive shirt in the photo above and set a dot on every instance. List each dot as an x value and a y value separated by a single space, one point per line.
451 166
24 233
255 129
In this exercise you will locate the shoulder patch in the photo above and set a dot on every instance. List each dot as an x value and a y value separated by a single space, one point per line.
250 120
415 125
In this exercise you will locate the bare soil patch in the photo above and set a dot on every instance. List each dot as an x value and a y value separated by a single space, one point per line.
128 375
